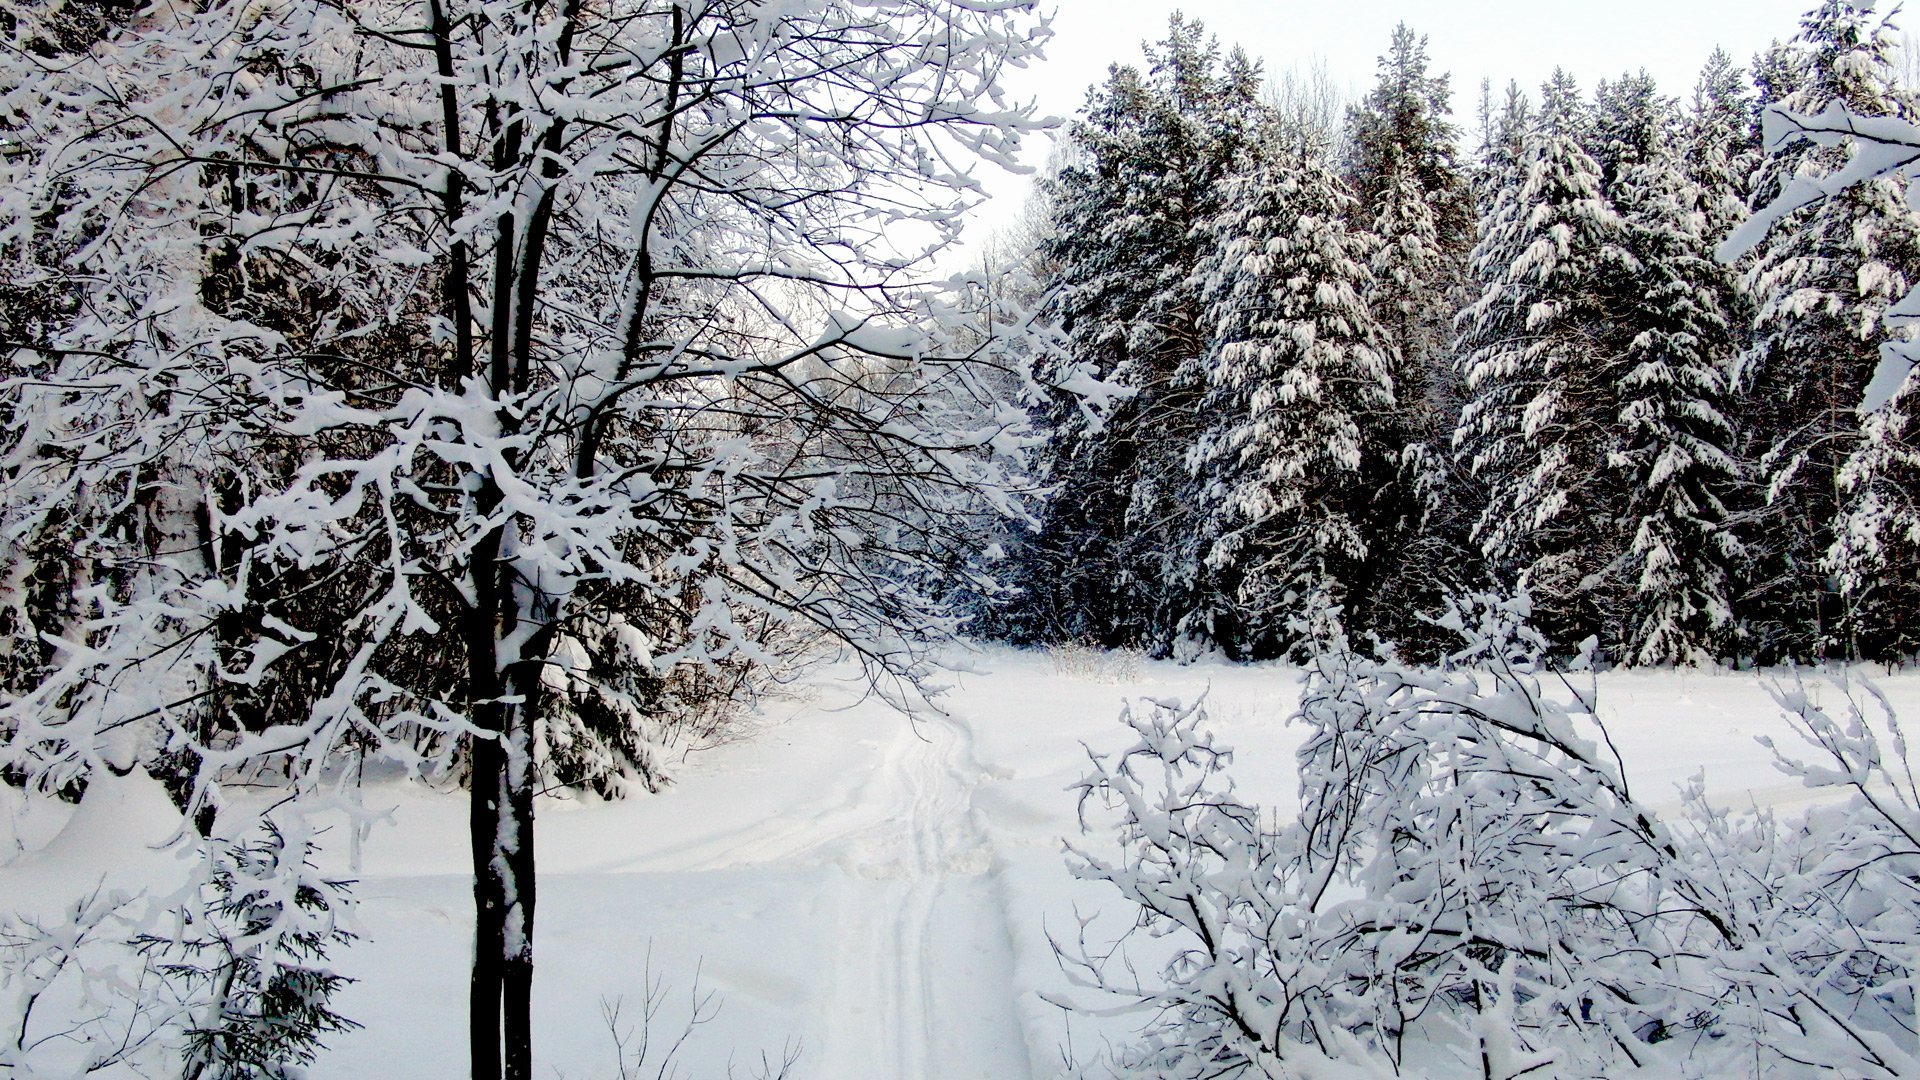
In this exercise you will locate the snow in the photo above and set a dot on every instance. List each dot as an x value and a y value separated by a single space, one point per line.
876 894
873 892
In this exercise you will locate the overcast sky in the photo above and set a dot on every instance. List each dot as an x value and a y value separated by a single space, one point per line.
1469 39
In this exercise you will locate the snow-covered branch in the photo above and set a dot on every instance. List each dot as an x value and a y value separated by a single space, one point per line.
1471 880
1881 148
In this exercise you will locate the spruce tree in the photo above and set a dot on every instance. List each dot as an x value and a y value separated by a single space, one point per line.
1412 195
1875 556
1145 168
1674 443
1415 198
1534 354
1834 570
1631 123
1296 463
1718 147
1411 271
1402 132
1503 135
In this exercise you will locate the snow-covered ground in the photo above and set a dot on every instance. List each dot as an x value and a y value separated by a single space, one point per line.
876 894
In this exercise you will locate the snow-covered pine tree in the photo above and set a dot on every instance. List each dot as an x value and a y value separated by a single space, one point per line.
1875 556
1668 362
1779 70
1296 464
1411 194
1833 549
1631 123
1718 148
1411 270
1404 125
1414 197
1145 167
1427 514
1534 349
1674 442
1503 134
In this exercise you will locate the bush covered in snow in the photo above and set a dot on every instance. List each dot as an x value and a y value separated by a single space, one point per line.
1472 887
1079 660
199 957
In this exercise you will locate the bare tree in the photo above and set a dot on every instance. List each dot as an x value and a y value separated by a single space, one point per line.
1311 109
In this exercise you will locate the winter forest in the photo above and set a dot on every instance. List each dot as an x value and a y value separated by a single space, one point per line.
1377 366
1492 512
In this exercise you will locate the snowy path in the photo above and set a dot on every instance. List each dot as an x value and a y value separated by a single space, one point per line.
920 965
922 961
835 882
920 981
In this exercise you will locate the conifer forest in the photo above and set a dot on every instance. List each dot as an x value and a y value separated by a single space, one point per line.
1376 362
1492 511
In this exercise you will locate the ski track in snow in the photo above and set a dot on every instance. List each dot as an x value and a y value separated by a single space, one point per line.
919 925
916 898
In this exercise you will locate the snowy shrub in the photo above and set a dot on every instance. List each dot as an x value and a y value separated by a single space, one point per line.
41 958
1091 663
1471 888
1822 913
1201 868
252 968
650 1044
217 974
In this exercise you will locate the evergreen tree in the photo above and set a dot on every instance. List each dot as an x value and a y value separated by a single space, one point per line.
1403 131
1534 352
1675 442
1411 194
1563 112
1631 124
1292 469
1779 70
1416 200
1875 555
1408 292
1834 566
1718 148
1503 135
1146 167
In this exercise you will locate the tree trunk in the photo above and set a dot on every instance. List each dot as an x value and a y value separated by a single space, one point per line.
490 798
504 668
489 939
501 832
516 855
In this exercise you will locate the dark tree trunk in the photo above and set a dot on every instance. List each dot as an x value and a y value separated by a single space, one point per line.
516 834
489 903
500 825
503 779
488 791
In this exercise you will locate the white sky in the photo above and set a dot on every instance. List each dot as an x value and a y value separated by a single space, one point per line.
1499 39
